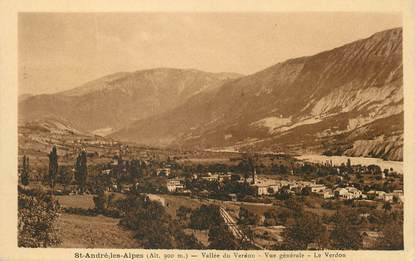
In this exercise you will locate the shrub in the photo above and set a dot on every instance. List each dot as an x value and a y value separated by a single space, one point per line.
307 229
345 234
221 238
269 222
205 217
103 201
247 217
392 238
37 215
153 227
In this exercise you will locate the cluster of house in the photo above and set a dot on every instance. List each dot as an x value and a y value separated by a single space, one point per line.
354 193
382 195
265 186
269 186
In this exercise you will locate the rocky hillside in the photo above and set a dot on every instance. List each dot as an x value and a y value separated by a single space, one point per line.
348 100
106 104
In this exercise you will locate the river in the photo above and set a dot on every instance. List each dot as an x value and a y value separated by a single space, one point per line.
337 160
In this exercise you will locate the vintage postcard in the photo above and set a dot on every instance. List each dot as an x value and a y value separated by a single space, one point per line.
207 131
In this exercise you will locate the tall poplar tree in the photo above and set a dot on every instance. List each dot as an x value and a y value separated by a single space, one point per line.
81 171
53 167
24 175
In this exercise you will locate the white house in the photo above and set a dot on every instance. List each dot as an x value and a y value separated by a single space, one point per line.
261 190
348 193
266 186
354 192
341 192
174 185
317 188
326 193
382 195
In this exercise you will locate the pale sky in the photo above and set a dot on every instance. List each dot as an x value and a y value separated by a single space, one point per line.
60 51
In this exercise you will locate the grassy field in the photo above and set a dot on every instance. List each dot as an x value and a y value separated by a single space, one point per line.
76 201
78 231
174 202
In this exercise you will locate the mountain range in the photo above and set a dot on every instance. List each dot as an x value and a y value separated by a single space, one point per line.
348 100
108 103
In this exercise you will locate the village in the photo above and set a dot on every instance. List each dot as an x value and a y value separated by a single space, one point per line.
258 195
202 182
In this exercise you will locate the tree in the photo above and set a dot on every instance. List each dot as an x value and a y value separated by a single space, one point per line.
135 169
392 238
81 171
246 166
53 167
307 228
387 206
153 227
65 177
221 238
247 218
306 191
296 205
283 193
183 213
24 175
345 235
37 215
349 166
374 169
103 201
205 217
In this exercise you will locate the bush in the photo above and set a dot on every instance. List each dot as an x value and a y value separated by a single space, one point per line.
392 238
247 217
307 229
270 222
183 214
221 238
345 234
153 227
331 204
103 201
37 215
205 217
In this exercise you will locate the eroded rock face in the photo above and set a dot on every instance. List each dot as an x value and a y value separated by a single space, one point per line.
332 99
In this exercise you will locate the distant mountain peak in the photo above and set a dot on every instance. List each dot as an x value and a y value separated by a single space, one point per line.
307 103
113 101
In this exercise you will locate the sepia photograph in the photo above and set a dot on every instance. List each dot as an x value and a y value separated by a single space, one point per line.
228 131
202 131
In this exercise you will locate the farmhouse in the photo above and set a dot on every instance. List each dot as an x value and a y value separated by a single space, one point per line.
326 193
348 193
174 185
317 188
265 186
382 195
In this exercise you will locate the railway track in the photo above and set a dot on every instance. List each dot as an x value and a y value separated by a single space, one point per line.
234 229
